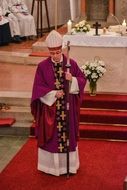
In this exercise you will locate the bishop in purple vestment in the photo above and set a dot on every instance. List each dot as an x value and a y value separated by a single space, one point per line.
48 105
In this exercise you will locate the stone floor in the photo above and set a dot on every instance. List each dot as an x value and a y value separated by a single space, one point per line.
9 146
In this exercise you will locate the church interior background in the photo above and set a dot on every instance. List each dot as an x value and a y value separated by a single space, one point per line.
17 69
95 9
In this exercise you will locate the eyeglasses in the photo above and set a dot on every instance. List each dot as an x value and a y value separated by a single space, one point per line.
55 52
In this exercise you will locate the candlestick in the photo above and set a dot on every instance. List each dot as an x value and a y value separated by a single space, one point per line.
69 26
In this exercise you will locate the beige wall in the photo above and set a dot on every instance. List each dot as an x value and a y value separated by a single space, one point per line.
121 9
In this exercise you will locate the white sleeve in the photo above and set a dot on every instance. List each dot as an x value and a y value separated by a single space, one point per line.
13 9
24 7
10 4
74 88
1 13
49 98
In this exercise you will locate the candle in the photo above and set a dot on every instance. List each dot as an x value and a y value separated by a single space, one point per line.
124 27
69 26
124 23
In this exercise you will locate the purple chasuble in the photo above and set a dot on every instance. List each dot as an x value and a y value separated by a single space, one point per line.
45 116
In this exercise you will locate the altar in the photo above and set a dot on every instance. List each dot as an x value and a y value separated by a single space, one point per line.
111 48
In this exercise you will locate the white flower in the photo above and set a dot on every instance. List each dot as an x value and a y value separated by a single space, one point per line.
82 26
82 23
93 70
88 72
94 75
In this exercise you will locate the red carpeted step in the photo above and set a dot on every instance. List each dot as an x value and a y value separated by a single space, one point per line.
103 116
107 101
102 127
103 131
6 122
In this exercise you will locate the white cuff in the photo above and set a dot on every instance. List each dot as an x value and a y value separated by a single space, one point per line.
74 88
49 98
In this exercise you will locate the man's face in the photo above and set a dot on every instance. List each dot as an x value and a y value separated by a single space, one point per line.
56 54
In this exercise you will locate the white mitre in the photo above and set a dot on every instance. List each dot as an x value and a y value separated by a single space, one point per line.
54 40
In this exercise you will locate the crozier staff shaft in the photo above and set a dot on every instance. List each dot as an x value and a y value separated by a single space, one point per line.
67 106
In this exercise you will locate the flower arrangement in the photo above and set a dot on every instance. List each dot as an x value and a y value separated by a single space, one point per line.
82 26
93 70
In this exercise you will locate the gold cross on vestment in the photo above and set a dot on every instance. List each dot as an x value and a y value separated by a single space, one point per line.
61 147
60 72
59 126
58 105
63 115
64 137
63 95
57 83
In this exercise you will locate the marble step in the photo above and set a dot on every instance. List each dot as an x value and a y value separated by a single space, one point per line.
26 124
20 113
19 104
19 108
12 98
23 123
19 128
39 46
19 58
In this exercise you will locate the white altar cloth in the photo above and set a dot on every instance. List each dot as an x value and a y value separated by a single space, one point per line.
110 39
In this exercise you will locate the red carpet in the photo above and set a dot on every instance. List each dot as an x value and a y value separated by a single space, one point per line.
103 116
103 167
105 101
6 122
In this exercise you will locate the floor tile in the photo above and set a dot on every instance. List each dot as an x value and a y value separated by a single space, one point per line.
9 146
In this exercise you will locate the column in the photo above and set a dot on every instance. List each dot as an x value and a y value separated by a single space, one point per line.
83 8
111 7
73 9
56 14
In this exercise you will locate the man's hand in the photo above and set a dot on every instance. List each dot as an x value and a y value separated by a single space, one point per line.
68 76
59 94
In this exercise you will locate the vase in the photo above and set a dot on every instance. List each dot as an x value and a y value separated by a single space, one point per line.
93 88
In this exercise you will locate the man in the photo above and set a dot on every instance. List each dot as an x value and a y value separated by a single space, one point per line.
26 21
49 109
13 21
5 35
